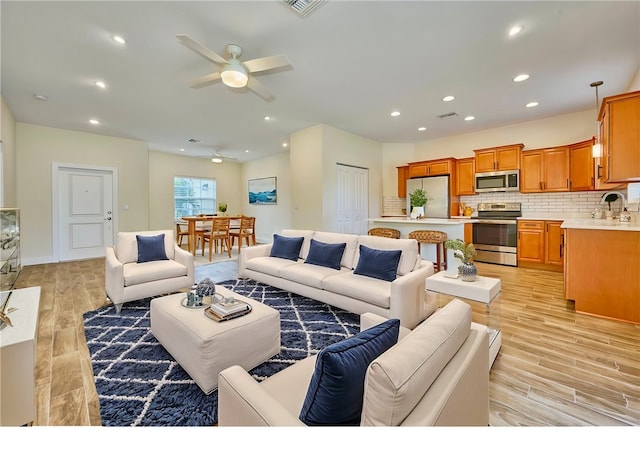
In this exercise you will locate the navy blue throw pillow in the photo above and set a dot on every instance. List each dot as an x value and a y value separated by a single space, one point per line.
377 263
326 254
151 248
286 247
336 389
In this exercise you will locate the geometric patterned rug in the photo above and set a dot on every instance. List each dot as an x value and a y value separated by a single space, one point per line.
140 384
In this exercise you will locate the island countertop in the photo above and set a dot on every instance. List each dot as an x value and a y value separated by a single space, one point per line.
425 221
600 224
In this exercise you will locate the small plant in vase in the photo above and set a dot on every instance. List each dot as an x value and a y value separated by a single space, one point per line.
464 252
222 207
418 198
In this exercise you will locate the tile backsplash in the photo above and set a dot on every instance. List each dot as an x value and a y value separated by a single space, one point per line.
553 202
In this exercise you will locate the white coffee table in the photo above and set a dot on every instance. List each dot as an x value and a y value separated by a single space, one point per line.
483 289
204 347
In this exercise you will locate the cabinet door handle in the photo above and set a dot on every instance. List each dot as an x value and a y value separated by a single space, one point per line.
599 168
497 165
568 185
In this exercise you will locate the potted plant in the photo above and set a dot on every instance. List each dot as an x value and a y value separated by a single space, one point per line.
222 207
418 198
464 252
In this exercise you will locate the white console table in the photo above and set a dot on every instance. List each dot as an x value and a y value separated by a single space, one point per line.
18 357
483 289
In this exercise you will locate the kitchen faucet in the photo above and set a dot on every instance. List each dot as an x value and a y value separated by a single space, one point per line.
624 200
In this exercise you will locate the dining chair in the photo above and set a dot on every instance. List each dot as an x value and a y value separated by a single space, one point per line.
246 231
182 230
219 232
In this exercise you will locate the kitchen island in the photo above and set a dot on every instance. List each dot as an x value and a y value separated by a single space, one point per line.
453 227
602 268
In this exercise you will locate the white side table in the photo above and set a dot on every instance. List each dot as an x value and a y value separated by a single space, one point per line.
483 289
18 358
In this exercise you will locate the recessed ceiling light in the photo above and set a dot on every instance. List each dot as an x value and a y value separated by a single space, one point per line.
94 121
284 145
266 118
395 113
246 150
422 129
118 39
515 30
531 104
469 118
181 149
41 98
101 84
520 78
448 98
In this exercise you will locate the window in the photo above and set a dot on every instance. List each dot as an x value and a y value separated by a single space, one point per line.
192 196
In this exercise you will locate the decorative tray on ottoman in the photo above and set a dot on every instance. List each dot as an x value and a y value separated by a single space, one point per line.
203 302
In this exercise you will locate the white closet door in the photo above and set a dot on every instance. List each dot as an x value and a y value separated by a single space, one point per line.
352 199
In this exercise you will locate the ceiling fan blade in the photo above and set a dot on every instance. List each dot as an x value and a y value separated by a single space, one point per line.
204 52
259 89
266 63
205 80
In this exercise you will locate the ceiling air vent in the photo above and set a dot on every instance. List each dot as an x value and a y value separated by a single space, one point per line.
303 7
447 115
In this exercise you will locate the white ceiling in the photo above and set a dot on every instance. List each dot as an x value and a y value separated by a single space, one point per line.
352 64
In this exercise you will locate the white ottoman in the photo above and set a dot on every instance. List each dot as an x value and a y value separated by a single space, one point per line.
204 347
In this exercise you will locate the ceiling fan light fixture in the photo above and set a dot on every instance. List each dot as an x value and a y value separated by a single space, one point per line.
216 160
234 74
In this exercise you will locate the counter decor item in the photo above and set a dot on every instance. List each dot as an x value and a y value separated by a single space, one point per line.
222 207
418 198
464 252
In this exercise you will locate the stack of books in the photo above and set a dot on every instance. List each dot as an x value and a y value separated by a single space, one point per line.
226 309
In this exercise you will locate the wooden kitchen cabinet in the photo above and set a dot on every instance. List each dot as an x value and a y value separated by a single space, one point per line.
545 170
431 168
601 272
540 245
581 166
403 175
465 172
498 158
619 119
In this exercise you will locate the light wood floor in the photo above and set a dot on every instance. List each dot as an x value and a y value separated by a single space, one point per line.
555 367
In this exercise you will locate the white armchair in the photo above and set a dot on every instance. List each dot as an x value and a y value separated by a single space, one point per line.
126 279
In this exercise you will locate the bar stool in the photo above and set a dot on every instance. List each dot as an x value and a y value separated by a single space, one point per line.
384 232
432 237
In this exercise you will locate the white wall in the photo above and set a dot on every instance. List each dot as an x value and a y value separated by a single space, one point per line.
306 148
8 137
549 132
37 148
270 219
635 82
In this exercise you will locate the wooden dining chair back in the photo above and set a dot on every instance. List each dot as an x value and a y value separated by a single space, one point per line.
246 231
182 230
219 233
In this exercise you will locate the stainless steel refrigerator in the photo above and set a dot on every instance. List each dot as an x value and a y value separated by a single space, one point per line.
437 187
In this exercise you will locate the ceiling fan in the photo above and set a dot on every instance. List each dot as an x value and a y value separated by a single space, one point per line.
219 158
234 73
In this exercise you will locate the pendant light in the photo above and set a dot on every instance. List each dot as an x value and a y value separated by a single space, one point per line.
596 151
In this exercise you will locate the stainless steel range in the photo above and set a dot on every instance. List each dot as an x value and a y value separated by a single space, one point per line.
495 233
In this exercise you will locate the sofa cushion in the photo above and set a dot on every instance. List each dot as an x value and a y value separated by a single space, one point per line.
151 248
408 247
309 274
139 273
127 244
306 234
272 266
325 254
350 248
358 287
286 247
398 379
377 263
336 388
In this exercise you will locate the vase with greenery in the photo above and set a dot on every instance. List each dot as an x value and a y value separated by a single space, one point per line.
418 198
464 252
222 207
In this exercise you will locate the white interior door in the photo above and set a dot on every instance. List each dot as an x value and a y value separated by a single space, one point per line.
85 212
352 199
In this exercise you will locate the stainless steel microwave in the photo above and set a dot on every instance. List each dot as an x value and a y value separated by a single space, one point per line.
498 181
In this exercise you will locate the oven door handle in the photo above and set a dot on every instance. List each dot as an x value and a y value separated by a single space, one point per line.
496 221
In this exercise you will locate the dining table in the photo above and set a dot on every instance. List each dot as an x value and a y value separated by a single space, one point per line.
191 222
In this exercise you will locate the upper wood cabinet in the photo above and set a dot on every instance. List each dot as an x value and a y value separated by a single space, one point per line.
431 168
403 175
466 170
581 171
545 170
498 158
619 119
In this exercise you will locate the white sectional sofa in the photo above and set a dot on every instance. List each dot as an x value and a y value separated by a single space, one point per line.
437 374
401 298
